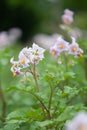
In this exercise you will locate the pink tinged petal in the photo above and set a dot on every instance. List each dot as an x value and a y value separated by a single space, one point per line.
54 51
36 47
68 12
15 70
61 44
24 57
79 53
18 72
67 19
37 52
35 59
73 47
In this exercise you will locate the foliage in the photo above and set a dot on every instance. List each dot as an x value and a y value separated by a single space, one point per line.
56 102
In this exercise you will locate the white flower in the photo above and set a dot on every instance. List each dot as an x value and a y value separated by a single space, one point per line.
79 122
61 44
67 18
68 12
24 57
35 59
13 62
15 69
54 51
79 53
37 53
74 48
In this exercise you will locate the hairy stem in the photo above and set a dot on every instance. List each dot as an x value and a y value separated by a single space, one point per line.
35 77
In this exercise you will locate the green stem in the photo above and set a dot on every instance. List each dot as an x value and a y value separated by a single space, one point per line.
3 104
50 98
66 62
42 104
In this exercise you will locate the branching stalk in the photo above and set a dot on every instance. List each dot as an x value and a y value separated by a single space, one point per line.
42 104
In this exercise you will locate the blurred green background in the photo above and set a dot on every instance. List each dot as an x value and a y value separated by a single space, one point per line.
39 16
35 17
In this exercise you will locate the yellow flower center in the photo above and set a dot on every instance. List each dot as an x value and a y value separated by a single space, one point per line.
14 74
54 52
22 61
35 52
61 46
74 49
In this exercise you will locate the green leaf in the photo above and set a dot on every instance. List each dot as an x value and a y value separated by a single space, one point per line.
66 114
69 75
44 123
49 77
11 126
16 115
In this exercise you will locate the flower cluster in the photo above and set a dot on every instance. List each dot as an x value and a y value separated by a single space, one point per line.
60 46
78 123
26 57
67 17
63 46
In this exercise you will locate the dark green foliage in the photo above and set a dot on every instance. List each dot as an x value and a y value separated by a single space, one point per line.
63 93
